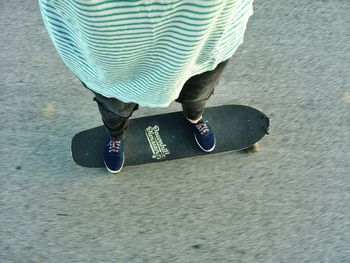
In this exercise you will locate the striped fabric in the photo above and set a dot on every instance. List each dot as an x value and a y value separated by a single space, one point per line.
143 51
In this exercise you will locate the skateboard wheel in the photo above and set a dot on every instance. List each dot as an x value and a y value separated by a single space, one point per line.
254 148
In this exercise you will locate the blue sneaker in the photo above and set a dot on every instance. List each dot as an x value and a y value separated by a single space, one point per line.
204 135
114 154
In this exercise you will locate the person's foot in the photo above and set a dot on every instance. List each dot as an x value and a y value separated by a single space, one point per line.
204 135
114 154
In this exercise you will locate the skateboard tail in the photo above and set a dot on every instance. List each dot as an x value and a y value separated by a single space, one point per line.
266 124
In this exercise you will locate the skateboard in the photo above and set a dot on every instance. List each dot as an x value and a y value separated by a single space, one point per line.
170 136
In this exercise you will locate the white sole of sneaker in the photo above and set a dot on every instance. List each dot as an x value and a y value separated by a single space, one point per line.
208 151
115 172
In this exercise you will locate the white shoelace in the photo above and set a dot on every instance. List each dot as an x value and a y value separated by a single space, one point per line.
114 146
203 128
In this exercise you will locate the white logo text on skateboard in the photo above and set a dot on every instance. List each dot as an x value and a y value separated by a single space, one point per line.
159 149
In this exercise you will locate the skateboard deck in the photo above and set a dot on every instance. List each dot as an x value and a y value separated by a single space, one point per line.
170 136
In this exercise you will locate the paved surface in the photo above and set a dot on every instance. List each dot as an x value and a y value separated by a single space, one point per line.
289 203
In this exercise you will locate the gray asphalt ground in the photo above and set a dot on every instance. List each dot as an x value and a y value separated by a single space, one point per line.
288 203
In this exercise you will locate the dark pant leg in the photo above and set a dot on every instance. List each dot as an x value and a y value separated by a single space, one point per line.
198 89
115 114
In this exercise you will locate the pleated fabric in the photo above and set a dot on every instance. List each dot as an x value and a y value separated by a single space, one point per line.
143 51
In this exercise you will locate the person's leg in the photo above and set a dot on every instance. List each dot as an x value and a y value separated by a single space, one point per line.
193 98
115 114
197 90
